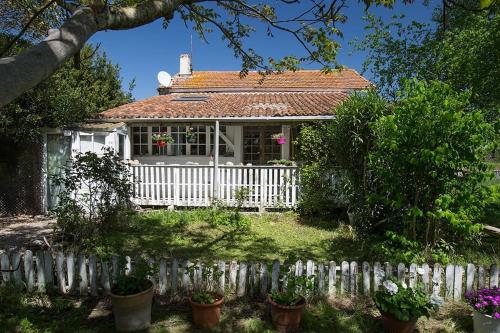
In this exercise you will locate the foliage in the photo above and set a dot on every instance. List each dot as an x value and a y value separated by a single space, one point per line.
162 137
95 196
281 162
404 303
429 159
222 214
133 282
277 136
69 96
205 280
485 301
461 48
294 289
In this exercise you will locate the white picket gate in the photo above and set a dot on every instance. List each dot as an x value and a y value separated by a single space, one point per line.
71 273
192 185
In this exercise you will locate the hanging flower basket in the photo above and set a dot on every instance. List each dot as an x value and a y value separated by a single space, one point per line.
191 135
279 137
161 139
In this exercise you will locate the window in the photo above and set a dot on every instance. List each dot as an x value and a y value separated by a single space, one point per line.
197 140
159 150
92 143
140 140
121 146
258 146
179 135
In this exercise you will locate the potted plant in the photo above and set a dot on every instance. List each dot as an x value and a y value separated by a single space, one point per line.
486 305
191 135
161 139
401 306
131 298
206 299
279 137
288 302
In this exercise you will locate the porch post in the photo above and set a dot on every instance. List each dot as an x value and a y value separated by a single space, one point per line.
216 162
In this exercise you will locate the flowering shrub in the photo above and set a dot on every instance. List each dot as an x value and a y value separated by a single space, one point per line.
162 137
404 303
486 301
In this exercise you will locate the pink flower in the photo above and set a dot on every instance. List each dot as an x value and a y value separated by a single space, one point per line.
478 305
497 315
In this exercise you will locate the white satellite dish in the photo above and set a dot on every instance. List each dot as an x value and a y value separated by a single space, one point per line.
164 78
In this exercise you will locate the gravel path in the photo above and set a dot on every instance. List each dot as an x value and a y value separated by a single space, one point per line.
24 232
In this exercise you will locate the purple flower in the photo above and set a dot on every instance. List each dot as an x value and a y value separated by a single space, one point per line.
478 305
497 315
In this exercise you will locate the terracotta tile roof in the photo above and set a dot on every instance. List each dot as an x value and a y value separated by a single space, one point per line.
263 104
304 80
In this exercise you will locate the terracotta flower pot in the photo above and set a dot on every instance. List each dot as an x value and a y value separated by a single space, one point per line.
206 315
393 325
485 323
132 312
281 140
286 319
161 144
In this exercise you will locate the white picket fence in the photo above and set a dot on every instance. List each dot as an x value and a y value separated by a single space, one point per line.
89 275
192 185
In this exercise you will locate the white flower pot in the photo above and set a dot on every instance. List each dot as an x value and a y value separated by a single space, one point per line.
485 324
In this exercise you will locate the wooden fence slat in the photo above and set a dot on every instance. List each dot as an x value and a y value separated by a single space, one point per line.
233 272
29 271
115 270
174 276
162 276
82 271
61 274
186 281
354 277
242 280
471 271
401 272
48 267
264 279
457 283
344 278
299 268
481 277
70 270
436 280
93 275
40 271
388 270
275 275
493 276
450 272
253 279
366 278
128 264
321 278
105 281
221 266
197 275
16 265
378 276
425 277
5 266
413 277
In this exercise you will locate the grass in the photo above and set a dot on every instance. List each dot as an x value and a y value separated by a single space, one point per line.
53 314
192 234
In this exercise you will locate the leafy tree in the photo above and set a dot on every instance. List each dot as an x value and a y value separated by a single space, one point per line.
429 161
352 141
71 95
461 48
314 24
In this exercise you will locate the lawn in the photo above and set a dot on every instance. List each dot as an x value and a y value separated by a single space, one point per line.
192 234
51 314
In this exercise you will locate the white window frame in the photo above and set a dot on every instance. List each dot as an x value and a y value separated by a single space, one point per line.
92 135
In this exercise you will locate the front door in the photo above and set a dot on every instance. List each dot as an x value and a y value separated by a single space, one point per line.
258 146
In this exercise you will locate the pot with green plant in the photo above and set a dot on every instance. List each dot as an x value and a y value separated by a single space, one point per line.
207 298
191 135
132 297
279 137
287 302
161 139
401 306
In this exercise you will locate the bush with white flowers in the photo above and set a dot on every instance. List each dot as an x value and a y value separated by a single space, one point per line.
404 303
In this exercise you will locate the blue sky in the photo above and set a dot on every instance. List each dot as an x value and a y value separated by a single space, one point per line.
142 52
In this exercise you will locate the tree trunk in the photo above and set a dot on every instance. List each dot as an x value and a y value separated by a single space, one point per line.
24 71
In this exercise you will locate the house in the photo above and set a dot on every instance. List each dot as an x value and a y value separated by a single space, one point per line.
217 120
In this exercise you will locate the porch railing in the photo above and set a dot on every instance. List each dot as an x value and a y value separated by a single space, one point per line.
192 185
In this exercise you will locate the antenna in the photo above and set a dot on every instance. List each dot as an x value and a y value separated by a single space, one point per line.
165 79
191 48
